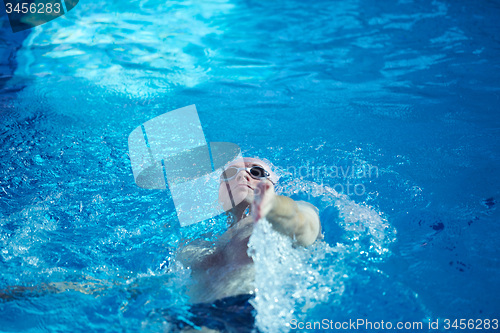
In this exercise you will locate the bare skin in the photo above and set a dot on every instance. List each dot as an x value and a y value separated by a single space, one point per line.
225 269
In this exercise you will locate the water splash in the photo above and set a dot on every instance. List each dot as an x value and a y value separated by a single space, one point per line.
290 281
361 223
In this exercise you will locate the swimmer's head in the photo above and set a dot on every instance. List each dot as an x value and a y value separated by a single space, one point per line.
239 179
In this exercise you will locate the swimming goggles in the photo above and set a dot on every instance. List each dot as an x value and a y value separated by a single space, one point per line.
256 172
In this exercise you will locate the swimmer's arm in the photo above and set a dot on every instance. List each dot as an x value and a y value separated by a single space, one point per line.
298 220
11 293
17 292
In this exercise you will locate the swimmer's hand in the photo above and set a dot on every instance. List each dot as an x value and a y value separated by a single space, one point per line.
263 200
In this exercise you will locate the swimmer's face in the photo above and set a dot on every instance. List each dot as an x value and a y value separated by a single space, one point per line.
241 187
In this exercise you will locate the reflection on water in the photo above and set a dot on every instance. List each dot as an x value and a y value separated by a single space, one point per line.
139 48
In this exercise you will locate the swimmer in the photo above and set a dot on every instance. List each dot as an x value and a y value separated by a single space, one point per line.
223 272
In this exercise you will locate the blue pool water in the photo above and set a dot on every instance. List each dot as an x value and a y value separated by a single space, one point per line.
407 89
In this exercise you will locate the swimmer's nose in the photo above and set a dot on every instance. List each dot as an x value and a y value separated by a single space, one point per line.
243 175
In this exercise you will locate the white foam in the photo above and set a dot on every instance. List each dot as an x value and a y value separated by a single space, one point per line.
288 278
